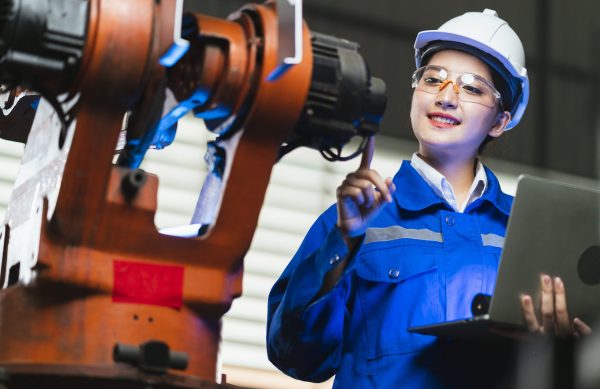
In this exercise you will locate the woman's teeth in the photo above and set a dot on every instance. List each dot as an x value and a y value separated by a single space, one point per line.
444 120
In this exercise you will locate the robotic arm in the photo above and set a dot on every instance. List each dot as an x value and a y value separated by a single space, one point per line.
80 252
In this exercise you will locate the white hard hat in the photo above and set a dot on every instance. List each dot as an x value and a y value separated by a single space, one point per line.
501 47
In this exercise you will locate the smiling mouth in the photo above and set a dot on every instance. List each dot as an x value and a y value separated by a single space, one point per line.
443 120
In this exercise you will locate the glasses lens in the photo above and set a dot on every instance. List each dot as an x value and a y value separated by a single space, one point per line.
429 78
471 87
475 89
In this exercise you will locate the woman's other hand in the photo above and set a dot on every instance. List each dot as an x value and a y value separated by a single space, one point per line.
554 317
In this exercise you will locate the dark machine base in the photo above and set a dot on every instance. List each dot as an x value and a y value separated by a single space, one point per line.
32 376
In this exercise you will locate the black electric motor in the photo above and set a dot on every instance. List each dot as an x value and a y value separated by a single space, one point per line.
343 101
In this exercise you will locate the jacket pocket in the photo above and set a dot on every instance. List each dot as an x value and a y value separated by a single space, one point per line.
398 288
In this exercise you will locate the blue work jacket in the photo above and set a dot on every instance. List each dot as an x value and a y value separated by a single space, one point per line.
420 262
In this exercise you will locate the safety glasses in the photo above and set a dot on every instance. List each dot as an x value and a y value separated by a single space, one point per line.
469 87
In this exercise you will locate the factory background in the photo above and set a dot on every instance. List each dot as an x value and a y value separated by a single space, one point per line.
558 138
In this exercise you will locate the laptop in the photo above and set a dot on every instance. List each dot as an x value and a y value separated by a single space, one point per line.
554 228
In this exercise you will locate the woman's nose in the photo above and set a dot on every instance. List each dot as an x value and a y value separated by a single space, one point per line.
447 96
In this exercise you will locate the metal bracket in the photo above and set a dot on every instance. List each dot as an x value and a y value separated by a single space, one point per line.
289 42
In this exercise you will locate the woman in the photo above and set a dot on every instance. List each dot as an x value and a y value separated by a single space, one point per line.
417 248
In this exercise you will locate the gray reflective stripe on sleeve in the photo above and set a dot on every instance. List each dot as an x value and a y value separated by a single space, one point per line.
397 232
492 240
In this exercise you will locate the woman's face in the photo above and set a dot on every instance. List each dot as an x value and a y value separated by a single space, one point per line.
447 127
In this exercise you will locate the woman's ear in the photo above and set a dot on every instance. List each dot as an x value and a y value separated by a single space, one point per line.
500 124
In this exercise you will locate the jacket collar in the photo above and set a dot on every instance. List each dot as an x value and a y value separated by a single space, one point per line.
494 194
414 194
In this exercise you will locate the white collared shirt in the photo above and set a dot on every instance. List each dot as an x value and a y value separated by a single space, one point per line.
442 187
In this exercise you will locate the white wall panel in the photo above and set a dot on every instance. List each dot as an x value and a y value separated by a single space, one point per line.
252 309
244 331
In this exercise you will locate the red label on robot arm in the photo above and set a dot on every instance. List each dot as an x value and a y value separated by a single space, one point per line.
144 283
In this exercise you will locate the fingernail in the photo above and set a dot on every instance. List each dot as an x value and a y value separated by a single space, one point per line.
546 279
526 300
558 282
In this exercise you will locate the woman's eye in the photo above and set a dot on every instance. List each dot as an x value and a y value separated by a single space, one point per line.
473 90
432 81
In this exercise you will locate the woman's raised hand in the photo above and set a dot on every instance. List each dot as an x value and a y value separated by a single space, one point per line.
361 196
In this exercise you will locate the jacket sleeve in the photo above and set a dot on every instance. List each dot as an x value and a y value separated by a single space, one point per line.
304 337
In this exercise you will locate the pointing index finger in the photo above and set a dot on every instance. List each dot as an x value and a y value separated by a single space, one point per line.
367 155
